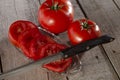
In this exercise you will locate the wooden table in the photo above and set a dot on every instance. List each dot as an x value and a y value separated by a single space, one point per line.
100 63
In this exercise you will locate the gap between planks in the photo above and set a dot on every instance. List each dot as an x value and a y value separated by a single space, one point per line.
101 46
1 67
108 60
86 17
116 4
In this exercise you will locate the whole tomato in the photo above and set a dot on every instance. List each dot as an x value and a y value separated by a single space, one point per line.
82 30
55 15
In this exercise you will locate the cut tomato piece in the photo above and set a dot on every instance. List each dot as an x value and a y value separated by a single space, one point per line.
17 28
53 48
26 38
37 43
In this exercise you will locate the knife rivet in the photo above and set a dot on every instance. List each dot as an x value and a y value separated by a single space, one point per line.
111 40
87 47
66 56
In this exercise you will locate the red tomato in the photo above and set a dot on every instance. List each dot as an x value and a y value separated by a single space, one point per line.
36 44
82 30
55 15
53 48
17 28
26 38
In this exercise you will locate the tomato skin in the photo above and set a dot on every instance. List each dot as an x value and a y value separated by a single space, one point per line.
17 28
56 66
77 33
55 21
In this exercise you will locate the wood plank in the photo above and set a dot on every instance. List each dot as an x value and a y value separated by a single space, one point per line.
11 58
93 68
107 16
95 64
117 3
104 65
52 75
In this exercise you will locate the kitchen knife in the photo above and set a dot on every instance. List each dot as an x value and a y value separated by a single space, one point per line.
74 50
85 46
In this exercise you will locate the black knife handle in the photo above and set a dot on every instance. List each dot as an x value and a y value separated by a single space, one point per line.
85 46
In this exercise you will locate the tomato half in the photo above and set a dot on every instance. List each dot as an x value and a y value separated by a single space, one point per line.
17 28
36 44
55 15
26 38
82 30
59 65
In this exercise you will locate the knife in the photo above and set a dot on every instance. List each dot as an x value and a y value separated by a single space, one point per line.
85 46
69 52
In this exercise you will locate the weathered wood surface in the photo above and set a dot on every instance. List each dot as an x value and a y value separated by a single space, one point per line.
11 11
93 68
107 15
96 65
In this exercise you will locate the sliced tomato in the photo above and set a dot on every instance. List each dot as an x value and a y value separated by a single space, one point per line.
37 43
53 48
17 28
26 38
59 65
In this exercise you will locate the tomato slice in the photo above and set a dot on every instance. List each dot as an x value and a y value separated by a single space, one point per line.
37 43
53 48
26 38
17 28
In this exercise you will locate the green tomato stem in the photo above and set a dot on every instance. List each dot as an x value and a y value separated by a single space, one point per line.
56 6
85 25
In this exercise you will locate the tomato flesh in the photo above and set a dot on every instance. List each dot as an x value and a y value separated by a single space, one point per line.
17 28
36 44
59 65
26 38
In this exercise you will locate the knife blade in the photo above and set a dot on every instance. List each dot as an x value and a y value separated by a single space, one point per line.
85 46
72 51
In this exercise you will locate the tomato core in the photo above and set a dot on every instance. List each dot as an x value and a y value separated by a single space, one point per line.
56 6
86 25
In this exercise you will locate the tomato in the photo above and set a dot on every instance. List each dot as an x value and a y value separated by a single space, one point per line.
17 28
26 38
36 44
53 48
82 30
55 15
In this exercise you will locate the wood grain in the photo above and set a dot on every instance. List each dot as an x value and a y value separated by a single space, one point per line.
11 11
91 65
107 15
117 3
52 75
95 67
95 64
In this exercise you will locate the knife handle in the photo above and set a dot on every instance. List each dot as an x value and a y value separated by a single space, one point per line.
85 46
